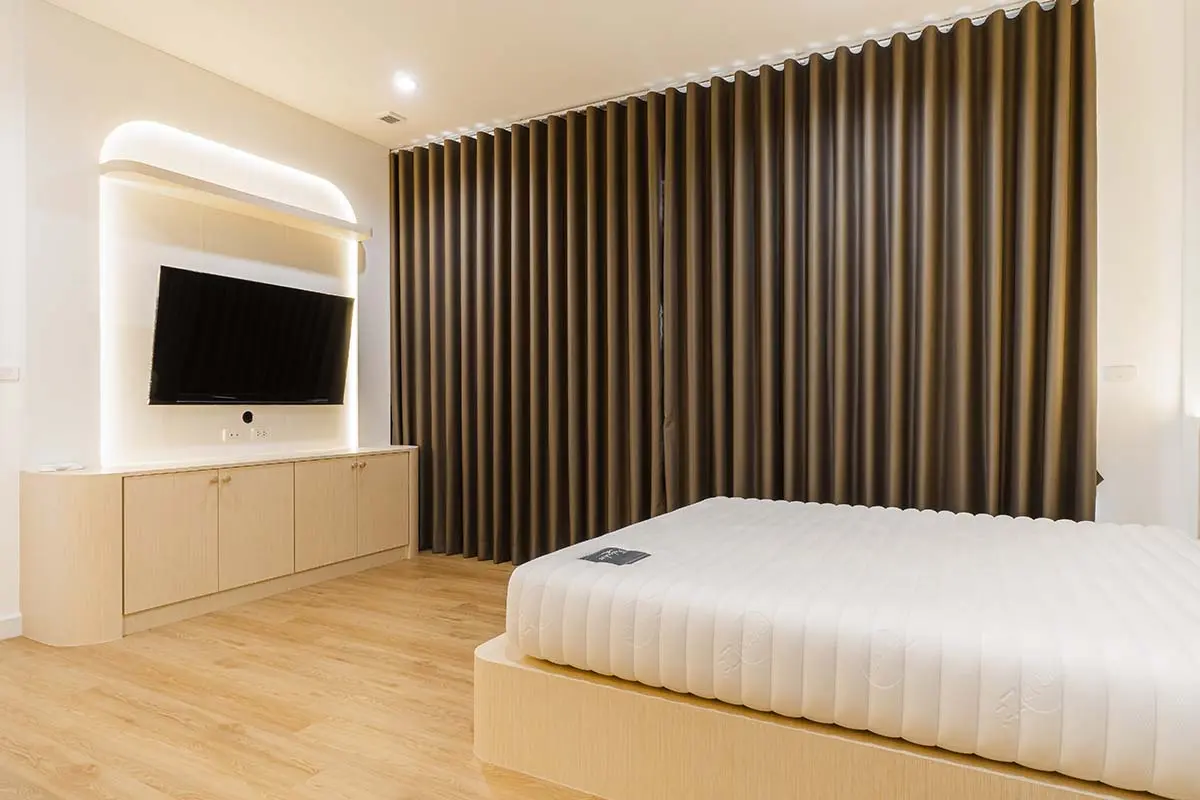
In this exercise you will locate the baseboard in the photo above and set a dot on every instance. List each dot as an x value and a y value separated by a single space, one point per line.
10 626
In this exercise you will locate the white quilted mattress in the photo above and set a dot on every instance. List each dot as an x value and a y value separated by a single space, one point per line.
1067 647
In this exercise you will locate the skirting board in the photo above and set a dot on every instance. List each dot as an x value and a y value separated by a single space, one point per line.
623 741
10 626
151 618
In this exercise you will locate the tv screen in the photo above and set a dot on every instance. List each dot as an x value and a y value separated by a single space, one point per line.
220 341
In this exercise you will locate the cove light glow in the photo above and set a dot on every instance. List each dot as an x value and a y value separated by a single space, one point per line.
188 154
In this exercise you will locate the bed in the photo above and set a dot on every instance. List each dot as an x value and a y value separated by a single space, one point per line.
1062 647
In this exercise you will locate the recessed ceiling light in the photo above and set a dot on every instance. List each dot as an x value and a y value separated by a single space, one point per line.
404 83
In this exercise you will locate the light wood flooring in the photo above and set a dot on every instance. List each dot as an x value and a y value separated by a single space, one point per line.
355 689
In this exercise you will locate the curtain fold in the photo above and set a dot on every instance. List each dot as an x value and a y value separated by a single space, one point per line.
899 273
864 279
527 337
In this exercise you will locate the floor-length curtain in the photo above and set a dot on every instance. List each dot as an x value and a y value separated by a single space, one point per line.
527 334
866 279
879 274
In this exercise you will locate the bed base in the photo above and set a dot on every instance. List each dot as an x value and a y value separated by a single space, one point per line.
623 741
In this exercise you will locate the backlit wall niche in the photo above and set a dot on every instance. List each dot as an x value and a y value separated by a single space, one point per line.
170 197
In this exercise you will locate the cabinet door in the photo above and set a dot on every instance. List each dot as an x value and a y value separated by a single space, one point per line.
170 538
257 529
382 502
325 512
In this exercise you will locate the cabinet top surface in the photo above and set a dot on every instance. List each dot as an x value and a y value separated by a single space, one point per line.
217 463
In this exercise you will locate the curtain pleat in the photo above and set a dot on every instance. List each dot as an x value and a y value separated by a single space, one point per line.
862 279
538 333
641 417
720 254
576 281
500 542
465 336
485 445
558 392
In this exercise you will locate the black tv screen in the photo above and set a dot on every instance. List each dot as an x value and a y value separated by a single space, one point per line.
220 341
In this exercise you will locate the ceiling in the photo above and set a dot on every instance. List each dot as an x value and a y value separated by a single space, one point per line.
482 63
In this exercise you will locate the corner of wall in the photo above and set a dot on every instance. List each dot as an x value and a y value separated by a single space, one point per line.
10 626
12 299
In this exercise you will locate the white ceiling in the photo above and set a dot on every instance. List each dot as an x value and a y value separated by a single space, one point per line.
481 63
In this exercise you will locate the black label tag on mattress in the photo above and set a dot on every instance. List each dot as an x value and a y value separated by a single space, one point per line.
615 555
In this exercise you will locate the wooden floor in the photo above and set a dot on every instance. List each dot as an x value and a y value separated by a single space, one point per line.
355 689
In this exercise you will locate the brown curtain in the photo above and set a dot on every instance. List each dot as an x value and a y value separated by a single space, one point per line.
879 274
869 279
527 296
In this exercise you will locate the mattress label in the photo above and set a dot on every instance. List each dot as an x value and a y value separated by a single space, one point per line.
615 555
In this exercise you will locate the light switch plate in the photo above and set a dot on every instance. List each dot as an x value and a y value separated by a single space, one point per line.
10 374
1120 373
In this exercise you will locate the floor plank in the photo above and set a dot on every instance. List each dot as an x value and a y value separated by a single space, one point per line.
354 689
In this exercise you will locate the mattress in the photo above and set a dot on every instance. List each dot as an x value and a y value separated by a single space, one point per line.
1061 646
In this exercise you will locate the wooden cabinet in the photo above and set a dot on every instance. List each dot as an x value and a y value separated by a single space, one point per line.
170 538
326 512
119 550
383 500
257 524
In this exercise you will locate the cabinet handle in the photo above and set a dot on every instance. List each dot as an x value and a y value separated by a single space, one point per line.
214 480
362 465
227 479
354 465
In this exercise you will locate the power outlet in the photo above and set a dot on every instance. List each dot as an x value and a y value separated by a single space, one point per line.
232 435
259 434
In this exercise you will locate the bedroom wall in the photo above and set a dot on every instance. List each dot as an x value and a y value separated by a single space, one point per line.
1147 449
143 229
83 81
12 298
77 82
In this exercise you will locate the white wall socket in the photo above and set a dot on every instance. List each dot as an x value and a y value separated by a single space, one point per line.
231 435
258 434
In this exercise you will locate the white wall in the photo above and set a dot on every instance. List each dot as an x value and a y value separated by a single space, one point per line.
80 82
12 297
143 229
1147 452
83 81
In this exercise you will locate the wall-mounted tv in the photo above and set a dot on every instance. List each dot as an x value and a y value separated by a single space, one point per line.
228 341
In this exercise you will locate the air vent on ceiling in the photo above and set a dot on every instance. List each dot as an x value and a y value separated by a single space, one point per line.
391 117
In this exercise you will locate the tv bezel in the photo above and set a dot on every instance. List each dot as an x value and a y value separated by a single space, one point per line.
218 400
